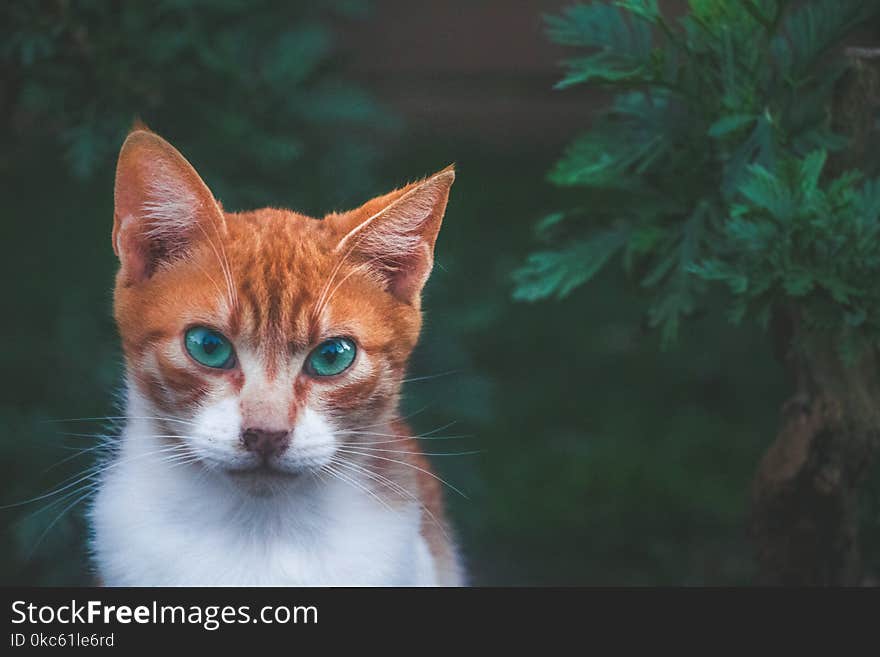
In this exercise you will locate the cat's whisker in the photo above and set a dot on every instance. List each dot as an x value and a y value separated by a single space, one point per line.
437 430
404 439
169 450
109 418
409 465
223 261
55 442
319 307
95 471
233 290
82 476
64 511
343 461
386 421
73 448
378 434
354 438
109 442
211 278
324 299
320 301
84 492
57 501
232 287
79 452
393 435
431 376
64 485
101 467
334 472
370 433
100 436
396 487
428 435
415 453
61 485
355 270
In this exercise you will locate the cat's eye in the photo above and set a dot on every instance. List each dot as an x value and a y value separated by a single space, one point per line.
332 356
209 348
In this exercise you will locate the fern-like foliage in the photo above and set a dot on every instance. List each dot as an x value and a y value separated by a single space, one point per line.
259 73
708 164
792 236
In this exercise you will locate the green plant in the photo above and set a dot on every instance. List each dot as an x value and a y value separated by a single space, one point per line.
258 73
791 238
739 148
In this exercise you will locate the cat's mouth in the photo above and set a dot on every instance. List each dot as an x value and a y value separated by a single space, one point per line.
262 470
274 469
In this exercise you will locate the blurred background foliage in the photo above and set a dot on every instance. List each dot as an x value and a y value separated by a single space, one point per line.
605 460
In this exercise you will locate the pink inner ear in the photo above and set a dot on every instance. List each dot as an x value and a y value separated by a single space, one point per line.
130 247
407 281
398 234
160 202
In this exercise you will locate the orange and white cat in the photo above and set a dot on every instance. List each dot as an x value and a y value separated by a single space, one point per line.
264 357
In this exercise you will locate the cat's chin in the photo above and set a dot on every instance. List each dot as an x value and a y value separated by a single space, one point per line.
264 480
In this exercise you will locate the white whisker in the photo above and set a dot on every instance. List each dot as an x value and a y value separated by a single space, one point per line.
401 451
431 376
409 465
64 511
86 475
331 470
385 422
119 417
398 488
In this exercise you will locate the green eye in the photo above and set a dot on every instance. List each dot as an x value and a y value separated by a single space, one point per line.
209 348
331 357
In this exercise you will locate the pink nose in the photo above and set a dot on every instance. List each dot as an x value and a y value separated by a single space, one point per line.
265 443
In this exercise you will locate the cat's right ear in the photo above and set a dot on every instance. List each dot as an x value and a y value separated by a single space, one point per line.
162 206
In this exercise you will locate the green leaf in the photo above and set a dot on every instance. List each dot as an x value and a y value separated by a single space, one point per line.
558 273
646 9
622 46
766 191
602 67
727 124
810 170
813 29
544 227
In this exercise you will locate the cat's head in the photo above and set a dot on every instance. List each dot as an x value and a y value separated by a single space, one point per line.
265 338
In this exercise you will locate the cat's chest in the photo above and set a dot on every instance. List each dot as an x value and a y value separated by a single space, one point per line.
385 553
143 541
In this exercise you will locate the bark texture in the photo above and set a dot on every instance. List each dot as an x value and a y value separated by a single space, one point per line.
805 520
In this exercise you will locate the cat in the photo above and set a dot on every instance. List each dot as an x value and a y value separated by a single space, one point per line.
264 356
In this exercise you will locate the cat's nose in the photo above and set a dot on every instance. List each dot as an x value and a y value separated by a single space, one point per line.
265 443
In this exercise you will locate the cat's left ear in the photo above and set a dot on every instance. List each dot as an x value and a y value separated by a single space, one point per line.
162 206
394 235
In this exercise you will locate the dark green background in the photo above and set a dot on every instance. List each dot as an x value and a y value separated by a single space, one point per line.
605 460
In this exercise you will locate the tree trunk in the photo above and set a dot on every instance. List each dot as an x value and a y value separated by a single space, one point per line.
804 520
805 494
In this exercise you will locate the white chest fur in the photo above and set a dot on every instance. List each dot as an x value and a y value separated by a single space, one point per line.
156 523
